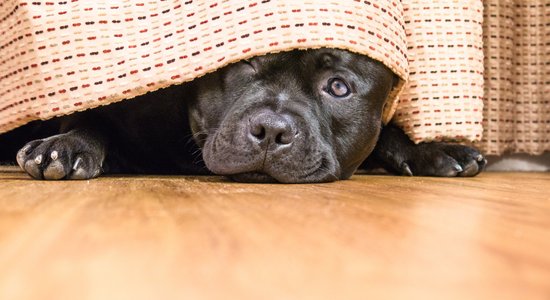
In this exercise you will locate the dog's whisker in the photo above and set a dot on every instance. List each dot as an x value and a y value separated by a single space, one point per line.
199 161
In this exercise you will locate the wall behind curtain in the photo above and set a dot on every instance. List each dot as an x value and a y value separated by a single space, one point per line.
517 76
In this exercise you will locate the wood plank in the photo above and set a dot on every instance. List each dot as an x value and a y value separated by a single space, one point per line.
159 237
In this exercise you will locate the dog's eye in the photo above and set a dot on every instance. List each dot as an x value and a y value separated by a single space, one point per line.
338 88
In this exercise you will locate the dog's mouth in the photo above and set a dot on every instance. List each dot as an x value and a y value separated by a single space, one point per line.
242 162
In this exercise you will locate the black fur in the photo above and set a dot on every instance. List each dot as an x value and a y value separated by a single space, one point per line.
301 116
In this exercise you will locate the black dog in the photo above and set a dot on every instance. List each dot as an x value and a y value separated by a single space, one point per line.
300 116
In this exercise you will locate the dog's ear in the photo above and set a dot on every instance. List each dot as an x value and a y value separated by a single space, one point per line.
396 80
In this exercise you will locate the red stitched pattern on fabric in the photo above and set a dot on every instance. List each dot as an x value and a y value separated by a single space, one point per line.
60 57
443 99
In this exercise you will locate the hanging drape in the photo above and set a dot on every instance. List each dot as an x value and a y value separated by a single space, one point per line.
60 57
517 76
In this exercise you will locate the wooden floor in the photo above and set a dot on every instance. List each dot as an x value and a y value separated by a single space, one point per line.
372 237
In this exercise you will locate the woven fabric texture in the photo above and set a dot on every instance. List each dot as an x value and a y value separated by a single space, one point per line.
60 57
443 99
517 75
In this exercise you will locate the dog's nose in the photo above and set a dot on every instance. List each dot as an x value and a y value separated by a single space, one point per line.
271 127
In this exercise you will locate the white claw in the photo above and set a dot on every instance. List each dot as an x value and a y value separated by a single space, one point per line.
54 155
38 159
76 163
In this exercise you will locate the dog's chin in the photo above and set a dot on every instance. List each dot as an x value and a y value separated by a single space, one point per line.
253 177
260 177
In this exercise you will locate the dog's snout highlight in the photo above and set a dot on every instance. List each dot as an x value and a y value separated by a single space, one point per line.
268 127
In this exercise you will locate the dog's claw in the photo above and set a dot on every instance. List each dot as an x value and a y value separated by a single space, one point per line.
54 155
482 163
25 149
38 159
406 170
480 158
77 163
458 168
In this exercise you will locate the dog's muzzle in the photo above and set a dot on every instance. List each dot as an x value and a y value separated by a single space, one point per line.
268 146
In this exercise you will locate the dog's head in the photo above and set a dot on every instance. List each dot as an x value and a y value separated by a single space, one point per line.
300 116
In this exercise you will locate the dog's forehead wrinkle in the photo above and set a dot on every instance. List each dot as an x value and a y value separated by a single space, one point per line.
282 88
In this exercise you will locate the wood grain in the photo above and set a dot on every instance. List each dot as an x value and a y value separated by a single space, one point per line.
371 237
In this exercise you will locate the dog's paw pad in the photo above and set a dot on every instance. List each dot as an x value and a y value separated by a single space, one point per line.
32 168
55 171
23 153
80 174
59 157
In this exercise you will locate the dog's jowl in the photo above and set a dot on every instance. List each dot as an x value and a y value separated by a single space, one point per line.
294 117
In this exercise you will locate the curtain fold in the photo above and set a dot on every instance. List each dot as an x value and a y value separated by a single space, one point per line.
517 76
69 56
60 57
443 99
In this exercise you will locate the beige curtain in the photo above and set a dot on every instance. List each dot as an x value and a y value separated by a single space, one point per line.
59 57
517 76
443 96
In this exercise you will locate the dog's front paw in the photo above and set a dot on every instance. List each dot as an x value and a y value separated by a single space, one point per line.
63 156
439 159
